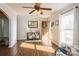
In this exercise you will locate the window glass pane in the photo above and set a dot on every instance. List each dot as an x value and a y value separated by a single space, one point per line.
66 28
67 21
67 37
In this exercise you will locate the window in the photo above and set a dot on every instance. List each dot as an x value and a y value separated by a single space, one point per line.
66 28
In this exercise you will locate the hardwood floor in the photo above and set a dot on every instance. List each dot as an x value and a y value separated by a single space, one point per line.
28 49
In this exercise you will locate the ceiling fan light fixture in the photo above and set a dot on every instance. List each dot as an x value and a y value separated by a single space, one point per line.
38 12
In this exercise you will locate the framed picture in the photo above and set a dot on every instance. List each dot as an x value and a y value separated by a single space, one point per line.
52 24
44 24
33 24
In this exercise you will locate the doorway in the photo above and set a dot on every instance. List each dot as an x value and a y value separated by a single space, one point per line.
45 27
4 30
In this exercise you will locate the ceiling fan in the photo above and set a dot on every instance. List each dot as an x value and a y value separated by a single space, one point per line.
37 8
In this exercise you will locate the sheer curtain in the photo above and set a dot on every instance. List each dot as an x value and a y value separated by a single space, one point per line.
76 27
67 28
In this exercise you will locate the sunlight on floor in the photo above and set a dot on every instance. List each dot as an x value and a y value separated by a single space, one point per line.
44 48
27 45
37 47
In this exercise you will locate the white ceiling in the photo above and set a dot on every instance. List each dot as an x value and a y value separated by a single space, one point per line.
17 7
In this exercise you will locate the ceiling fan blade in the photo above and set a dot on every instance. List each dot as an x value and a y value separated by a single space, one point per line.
28 7
46 8
32 11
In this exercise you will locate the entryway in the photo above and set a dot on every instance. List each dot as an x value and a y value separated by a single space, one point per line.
45 33
4 30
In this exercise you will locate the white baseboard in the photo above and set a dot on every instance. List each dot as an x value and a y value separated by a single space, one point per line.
33 41
21 39
11 45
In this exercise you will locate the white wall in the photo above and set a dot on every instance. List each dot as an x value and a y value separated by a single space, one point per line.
12 23
23 25
55 30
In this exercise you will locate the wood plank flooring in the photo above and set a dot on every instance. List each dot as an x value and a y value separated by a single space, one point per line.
28 49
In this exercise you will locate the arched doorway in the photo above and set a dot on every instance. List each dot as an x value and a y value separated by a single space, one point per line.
4 30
